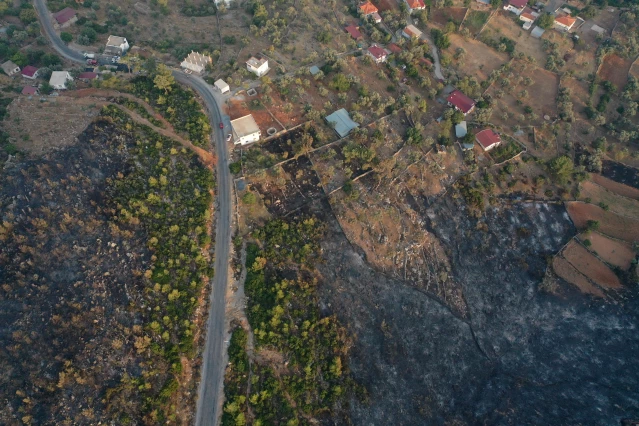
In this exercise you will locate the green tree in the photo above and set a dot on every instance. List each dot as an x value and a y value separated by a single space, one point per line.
496 4
440 39
561 168
163 79
66 37
28 16
546 21
340 83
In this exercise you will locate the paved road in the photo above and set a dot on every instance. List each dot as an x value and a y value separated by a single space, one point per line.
211 383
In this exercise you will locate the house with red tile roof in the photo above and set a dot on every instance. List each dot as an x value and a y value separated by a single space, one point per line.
411 31
461 102
87 76
415 5
528 15
488 139
30 72
516 6
564 22
394 48
367 8
378 54
29 90
353 30
65 17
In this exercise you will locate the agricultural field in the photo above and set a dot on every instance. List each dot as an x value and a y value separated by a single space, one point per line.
586 263
475 21
610 223
596 194
568 272
441 16
479 61
614 252
617 188
615 69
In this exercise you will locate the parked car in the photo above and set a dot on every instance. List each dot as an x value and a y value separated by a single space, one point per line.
92 62
221 125
229 137
89 55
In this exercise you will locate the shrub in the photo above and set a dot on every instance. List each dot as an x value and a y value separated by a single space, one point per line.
66 37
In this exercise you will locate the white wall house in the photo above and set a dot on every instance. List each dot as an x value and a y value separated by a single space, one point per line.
10 68
116 45
59 79
245 130
222 86
259 67
516 6
196 62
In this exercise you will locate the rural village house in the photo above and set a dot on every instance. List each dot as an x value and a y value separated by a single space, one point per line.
378 54
30 72
411 31
116 45
196 62
415 5
353 30
369 9
87 76
10 68
30 90
259 67
488 139
65 17
461 102
341 121
564 23
222 86
528 15
59 79
516 6
245 130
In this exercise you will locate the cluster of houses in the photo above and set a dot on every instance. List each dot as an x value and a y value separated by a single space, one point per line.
487 138
564 21
370 11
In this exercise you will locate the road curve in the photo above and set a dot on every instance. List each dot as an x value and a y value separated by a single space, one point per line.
212 374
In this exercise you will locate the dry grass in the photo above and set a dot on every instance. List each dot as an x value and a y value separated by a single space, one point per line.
586 263
616 253
609 223
615 69
480 59
617 203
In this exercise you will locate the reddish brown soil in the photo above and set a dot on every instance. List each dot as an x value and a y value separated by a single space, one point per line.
616 203
616 187
609 223
586 263
566 271
616 253
615 69
445 14
384 5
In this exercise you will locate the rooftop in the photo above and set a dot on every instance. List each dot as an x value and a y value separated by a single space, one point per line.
116 41
353 31
412 31
255 62
64 15
394 48
314 70
518 3
88 75
487 138
198 59
9 67
59 77
565 20
416 4
377 51
244 126
29 90
461 101
221 84
367 8
29 71
460 129
342 122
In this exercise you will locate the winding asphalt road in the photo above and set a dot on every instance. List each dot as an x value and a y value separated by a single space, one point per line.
211 384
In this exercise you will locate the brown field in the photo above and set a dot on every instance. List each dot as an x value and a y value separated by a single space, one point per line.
566 271
634 70
502 25
616 253
610 223
615 69
616 187
480 59
384 5
581 62
586 263
580 95
239 106
617 203
445 14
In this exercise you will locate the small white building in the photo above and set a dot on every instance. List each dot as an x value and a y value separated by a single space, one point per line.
414 5
196 62
59 79
116 45
516 6
245 130
10 68
411 31
222 86
259 67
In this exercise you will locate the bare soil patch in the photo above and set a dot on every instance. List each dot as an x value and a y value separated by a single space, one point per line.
444 15
615 70
480 59
616 253
617 203
616 187
609 223
243 105
580 95
384 5
568 272
503 25
586 263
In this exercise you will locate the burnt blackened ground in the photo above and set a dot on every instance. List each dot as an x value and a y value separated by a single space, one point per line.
621 173
522 356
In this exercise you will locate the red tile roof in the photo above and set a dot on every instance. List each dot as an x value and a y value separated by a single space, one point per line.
461 101
487 138
565 20
367 8
88 75
527 13
29 90
394 48
64 15
416 4
354 32
518 3
377 51
29 71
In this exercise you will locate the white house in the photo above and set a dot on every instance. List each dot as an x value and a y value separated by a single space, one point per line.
10 68
196 62
259 67
245 130
116 45
411 31
30 72
516 6
415 5
564 23
59 79
222 86
378 54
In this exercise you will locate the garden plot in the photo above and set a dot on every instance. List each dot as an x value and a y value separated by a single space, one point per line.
615 252
568 272
480 60
616 203
581 62
476 20
586 263
616 187
503 25
615 70
242 105
441 16
609 223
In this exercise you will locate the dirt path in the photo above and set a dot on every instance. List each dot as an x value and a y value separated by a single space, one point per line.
168 131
